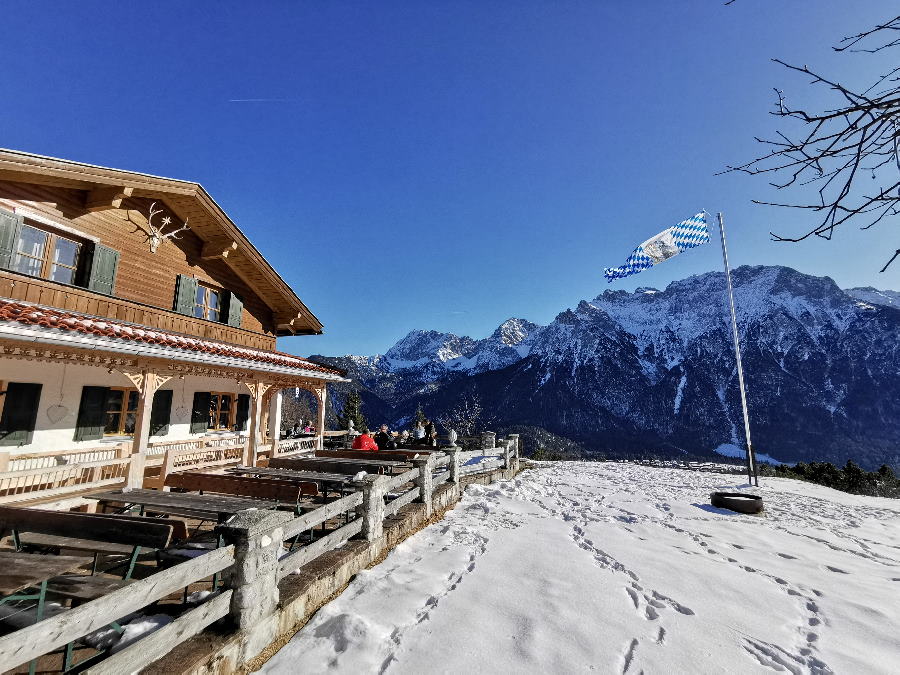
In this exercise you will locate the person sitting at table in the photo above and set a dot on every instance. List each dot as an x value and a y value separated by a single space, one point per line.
295 430
419 432
365 442
385 439
430 433
403 439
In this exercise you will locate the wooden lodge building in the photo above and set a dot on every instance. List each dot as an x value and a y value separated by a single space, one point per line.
138 328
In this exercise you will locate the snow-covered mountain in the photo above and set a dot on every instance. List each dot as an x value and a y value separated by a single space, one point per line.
654 371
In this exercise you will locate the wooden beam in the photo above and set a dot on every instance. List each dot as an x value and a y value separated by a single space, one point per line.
102 199
217 248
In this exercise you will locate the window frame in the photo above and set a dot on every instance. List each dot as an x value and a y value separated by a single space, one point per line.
53 236
216 396
122 412
207 308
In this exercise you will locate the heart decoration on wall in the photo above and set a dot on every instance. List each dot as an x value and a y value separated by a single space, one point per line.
57 413
181 412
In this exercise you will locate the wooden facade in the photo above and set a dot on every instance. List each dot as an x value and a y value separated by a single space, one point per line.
110 208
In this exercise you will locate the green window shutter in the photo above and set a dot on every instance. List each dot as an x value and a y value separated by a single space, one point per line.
101 275
19 413
91 414
200 412
10 224
233 309
242 412
161 412
185 294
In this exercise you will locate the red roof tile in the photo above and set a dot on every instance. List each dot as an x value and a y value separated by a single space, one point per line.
36 315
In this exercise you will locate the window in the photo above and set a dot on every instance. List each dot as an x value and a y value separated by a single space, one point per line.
42 253
221 411
121 411
19 402
208 303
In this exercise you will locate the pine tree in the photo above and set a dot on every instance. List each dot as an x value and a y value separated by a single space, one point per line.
352 412
420 416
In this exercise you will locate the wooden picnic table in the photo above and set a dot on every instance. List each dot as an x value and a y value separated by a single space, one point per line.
19 571
205 506
399 454
339 464
328 478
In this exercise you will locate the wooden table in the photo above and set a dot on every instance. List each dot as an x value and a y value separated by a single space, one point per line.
204 507
337 464
19 571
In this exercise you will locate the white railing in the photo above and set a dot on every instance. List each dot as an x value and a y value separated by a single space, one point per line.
61 479
44 460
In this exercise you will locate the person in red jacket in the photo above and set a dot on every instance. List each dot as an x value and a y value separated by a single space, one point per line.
365 442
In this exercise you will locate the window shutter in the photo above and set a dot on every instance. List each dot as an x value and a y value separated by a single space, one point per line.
161 412
101 275
185 294
91 414
10 224
200 412
19 413
234 307
242 413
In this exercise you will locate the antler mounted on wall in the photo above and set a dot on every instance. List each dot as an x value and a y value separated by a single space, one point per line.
155 234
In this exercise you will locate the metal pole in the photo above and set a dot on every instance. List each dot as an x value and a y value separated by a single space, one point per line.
751 459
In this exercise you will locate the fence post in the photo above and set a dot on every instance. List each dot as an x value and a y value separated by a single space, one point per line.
507 448
425 481
488 440
372 508
257 537
454 465
514 439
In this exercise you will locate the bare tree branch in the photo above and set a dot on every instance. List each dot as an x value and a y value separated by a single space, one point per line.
834 151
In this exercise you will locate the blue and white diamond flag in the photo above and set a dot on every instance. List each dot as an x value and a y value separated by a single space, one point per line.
667 244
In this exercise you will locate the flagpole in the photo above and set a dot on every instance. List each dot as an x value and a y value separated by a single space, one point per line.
751 459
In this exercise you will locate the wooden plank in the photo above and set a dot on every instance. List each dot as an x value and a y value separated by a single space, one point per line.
21 570
153 533
320 515
74 543
59 491
306 554
441 477
83 587
399 455
160 642
290 474
160 502
45 636
401 501
246 486
402 479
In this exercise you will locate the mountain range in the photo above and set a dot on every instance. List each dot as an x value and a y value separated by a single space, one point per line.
652 372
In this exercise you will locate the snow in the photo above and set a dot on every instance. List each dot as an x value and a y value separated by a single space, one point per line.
360 475
609 567
731 450
680 392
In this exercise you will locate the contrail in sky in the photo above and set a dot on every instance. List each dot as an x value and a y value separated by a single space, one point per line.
258 100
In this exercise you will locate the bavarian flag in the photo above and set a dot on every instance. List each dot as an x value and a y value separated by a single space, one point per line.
667 244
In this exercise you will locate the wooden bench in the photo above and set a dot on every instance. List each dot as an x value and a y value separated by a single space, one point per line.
92 532
242 486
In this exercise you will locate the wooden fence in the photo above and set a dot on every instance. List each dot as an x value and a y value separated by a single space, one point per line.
249 574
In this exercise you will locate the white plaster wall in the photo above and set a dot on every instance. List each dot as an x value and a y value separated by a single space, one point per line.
62 384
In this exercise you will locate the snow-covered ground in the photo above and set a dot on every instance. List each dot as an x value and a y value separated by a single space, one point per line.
617 568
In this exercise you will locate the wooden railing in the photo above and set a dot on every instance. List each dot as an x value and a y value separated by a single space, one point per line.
256 555
63 296
62 479
192 455
53 633
44 460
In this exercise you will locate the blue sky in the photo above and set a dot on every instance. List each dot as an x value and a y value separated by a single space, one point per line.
443 165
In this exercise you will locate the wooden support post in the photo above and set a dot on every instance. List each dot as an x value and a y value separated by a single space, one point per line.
372 508
322 398
454 464
425 481
257 537
514 439
488 440
257 392
4 460
147 382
